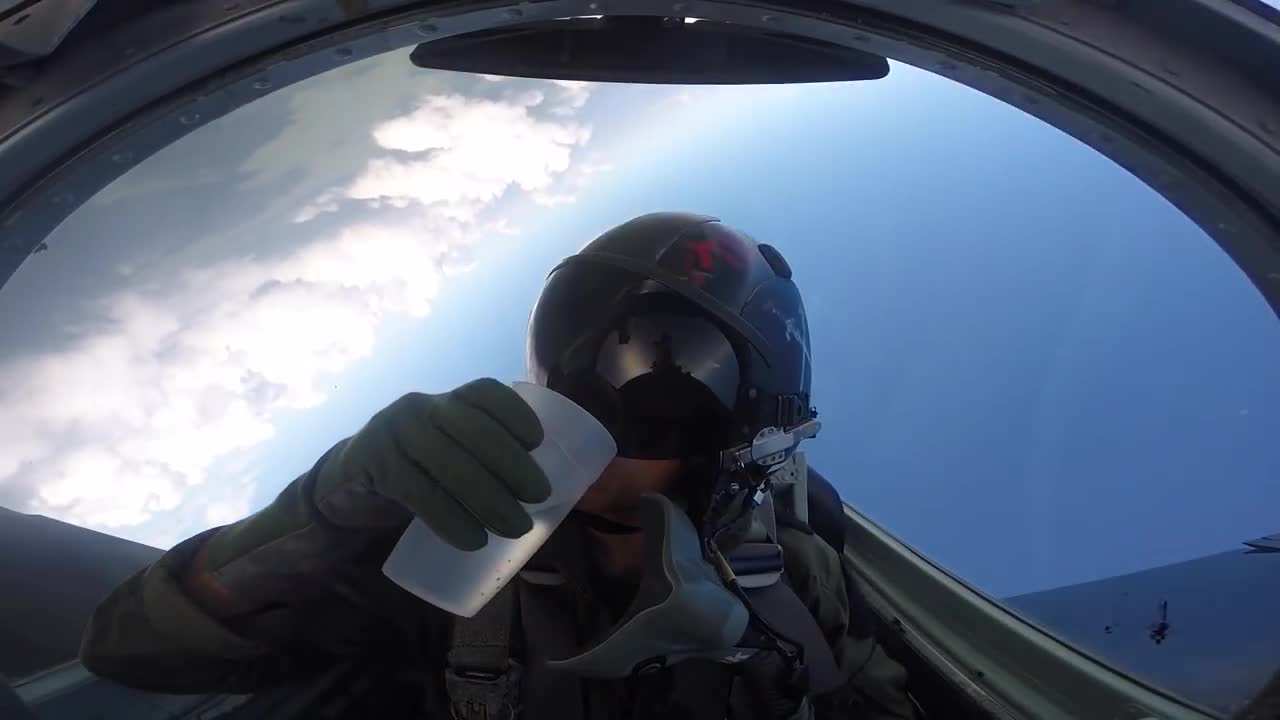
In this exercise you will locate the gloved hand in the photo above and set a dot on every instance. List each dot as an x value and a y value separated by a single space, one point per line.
459 461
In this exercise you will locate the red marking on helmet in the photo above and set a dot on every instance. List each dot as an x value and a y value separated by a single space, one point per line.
709 253
714 250
732 253
703 255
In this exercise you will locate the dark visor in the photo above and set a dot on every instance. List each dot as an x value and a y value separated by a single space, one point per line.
658 373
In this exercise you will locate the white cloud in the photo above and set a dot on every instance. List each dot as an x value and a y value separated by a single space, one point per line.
502 226
570 183
573 95
115 429
232 506
327 202
466 153
587 171
547 199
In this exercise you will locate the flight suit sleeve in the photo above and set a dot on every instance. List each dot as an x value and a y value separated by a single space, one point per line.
147 634
875 685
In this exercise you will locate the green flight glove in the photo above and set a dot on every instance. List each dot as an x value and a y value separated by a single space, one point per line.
459 461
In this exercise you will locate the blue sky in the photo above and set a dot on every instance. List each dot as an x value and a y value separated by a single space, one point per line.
1029 366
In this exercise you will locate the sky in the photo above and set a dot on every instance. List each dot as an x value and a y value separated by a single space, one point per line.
1029 366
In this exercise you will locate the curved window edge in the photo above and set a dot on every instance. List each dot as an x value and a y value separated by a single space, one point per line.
1001 661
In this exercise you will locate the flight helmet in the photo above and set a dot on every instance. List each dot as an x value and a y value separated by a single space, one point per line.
686 339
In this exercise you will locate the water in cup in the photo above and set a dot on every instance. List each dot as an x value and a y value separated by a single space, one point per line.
574 451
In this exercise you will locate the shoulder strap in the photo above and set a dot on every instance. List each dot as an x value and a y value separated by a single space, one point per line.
779 606
548 620
827 519
481 679
485 682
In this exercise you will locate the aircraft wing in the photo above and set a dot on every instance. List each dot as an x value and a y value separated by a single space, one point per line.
1265 544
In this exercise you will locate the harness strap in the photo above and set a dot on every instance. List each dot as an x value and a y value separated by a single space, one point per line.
549 622
778 605
484 683
481 679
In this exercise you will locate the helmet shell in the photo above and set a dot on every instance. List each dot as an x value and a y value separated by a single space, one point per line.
675 309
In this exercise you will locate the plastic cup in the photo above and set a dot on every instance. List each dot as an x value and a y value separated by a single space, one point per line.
574 452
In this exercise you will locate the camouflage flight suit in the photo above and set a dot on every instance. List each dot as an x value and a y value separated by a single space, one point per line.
148 634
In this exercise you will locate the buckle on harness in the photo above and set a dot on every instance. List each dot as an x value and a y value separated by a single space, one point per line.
483 695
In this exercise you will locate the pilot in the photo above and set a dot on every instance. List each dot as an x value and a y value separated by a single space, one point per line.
687 340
